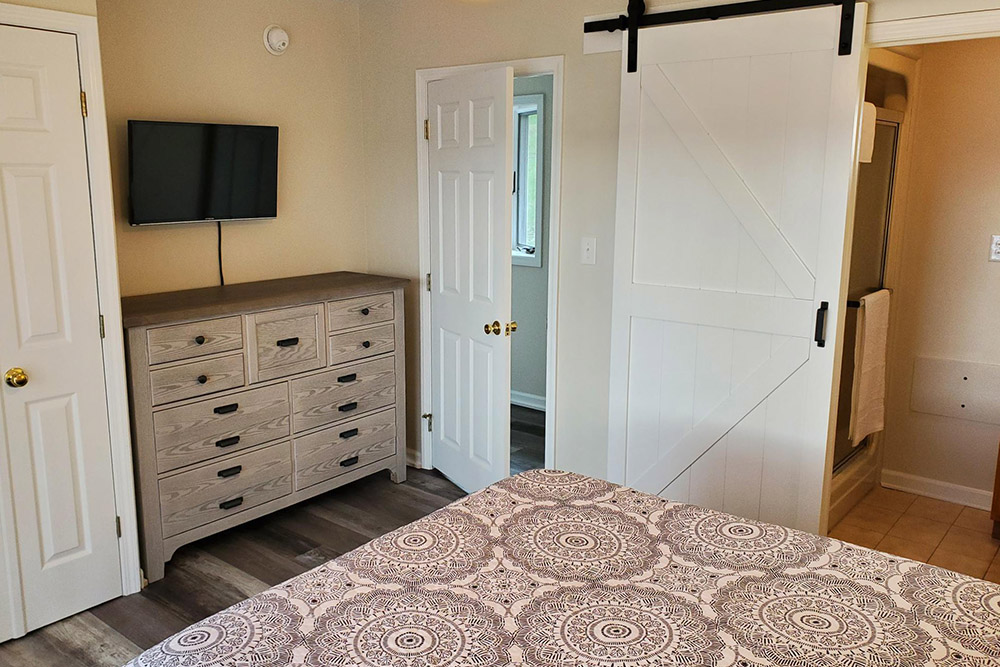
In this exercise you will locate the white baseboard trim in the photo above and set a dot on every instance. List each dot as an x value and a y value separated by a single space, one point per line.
526 400
932 488
413 459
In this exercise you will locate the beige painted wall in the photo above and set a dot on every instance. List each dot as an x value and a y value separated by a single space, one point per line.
201 60
404 35
946 291
401 36
88 7
195 60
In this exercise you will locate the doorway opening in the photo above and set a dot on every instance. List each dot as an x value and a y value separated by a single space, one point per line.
924 236
530 208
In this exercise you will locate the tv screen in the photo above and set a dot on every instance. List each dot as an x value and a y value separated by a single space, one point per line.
193 172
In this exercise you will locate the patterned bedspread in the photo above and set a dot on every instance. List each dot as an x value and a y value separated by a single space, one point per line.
558 569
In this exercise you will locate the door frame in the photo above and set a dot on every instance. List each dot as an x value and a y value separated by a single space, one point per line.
526 67
84 28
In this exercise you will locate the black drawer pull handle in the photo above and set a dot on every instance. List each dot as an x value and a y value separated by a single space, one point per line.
347 463
288 342
230 472
200 340
344 379
367 344
202 379
227 409
230 504
228 442
349 434
365 312
348 407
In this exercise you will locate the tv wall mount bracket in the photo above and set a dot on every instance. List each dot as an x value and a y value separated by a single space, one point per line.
637 18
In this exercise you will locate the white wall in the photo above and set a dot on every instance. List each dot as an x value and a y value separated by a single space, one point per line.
530 284
945 296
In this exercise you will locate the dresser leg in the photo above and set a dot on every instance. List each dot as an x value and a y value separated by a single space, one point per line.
398 472
153 571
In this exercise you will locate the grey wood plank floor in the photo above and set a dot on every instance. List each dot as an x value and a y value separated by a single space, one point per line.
215 573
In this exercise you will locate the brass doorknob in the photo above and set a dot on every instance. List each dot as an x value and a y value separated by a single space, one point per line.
494 328
16 377
511 328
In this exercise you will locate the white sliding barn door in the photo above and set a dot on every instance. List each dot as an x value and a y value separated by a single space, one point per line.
57 506
735 171
471 169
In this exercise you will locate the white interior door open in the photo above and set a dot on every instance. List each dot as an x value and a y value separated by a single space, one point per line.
58 542
736 167
470 162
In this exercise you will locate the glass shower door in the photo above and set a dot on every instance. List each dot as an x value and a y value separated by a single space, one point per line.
873 209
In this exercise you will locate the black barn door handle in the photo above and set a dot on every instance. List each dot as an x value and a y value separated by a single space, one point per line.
824 308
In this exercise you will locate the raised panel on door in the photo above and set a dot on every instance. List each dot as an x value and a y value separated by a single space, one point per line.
57 436
735 169
470 165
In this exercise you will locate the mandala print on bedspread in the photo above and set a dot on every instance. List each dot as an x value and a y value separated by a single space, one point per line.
553 569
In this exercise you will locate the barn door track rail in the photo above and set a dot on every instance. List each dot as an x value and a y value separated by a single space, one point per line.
638 18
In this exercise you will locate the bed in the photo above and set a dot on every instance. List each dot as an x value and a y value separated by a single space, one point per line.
554 568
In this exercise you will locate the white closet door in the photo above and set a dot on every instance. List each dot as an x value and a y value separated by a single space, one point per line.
59 536
735 168
471 170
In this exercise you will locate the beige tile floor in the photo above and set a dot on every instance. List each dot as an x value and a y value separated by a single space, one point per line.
932 531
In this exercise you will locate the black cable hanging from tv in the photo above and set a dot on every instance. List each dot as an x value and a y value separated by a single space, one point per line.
637 18
222 273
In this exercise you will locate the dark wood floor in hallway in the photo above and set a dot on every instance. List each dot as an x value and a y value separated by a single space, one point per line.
527 439
215 573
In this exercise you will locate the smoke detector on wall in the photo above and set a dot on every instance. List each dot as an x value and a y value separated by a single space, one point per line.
275 39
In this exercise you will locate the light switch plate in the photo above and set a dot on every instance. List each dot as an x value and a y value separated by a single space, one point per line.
588 250
995 249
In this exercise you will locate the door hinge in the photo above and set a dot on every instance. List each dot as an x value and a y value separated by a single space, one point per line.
428 282
101 319
430 421
118 525
427 130
83 103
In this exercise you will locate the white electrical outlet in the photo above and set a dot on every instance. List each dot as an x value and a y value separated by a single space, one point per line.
588 250
995 249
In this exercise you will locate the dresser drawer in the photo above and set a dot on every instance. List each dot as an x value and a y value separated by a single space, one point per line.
196 379
359 311
220 426
354 345
286 342
197 339
335 451
338 395
229 486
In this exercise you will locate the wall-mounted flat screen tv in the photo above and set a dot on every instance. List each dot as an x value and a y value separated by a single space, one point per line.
197 172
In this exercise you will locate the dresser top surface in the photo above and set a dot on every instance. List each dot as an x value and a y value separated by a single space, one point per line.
220 301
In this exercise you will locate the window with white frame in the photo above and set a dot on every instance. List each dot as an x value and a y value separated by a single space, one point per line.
529 131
